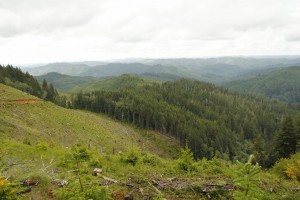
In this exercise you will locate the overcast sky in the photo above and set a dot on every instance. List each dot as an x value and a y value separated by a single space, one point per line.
35 31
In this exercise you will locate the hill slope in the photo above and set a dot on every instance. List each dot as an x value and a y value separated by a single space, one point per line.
209 119
35 147
64 82
114 83
282 84
44 121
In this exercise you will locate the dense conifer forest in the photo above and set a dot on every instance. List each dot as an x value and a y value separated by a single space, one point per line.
212 121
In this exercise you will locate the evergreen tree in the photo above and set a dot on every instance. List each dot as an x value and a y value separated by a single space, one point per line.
286 140
45 85
297 130
258 151
247 180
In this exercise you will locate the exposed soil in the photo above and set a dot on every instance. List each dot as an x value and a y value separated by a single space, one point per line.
20 101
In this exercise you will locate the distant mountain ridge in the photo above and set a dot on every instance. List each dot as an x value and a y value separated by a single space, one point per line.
62 68
214 70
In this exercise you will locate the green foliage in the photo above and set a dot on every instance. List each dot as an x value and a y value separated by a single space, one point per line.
158 197
247 180
259 151
288 167
215 166
286 140
186 161
7 189
26 139
80 153
92 190
42 146
296 122
131 157
152 160
84 186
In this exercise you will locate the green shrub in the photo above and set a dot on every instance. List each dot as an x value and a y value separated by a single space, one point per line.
288 167
7 190
152 160
158 197
186 161
246 180
26 139
216 166
91 191
131 157
42 146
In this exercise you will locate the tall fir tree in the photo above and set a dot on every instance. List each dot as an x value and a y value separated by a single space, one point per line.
286 140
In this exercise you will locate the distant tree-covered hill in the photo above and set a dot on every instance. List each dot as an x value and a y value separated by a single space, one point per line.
114 83
282 84
216 70
73 69
65 82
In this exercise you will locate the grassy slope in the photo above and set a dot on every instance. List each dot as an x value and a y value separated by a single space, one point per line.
125 80
9 93
52 130
282 84
45 121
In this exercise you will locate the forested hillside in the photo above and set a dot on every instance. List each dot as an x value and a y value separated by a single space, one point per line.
25 82
212 121
282 84
114 83
65 82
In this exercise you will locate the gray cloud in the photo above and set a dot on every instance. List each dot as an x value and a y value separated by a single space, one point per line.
294 38
19 17
54 30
